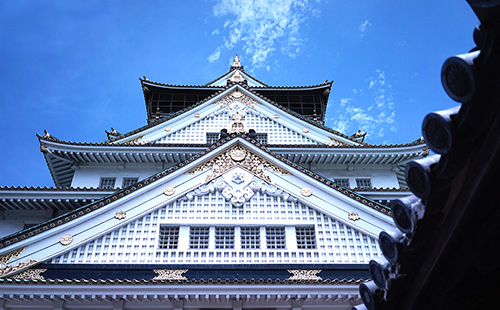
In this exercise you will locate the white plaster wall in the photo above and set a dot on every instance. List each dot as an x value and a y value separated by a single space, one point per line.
90 176
381 176
12 221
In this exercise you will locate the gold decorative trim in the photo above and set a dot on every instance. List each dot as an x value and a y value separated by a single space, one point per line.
334 142
66 239
4 259
305 130
353 216
238 156
9 269
236 96
301 274
197 115
276 116
306 191
169 190
135 140
167 129
31 274
120 215
170 274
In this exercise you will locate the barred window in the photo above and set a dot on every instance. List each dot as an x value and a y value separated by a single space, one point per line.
250 237
342 182
224 237
363 183
107 182
129 181
275 237
169 237
198 237
306 238
212 137
261 138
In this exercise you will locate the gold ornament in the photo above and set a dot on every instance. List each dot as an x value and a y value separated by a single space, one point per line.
120 215
306 191
169 190
66 239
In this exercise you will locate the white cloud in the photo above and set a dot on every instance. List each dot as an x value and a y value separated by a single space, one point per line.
261 25
215 55
370 109
363 26
216 31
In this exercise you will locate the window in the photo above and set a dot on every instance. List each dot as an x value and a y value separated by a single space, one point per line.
275 237
198 237
169 237
107 182
224 237
129 181
306 238
363 183
261 138
342 182
250 237
212 137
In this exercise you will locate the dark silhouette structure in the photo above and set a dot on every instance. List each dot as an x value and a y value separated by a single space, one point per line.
445 253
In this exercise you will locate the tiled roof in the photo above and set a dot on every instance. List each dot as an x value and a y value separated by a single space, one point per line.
55 188
11 239
287 110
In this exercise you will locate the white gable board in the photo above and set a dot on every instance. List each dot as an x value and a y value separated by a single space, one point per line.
222 81
237 184
236 103
138 241
197 132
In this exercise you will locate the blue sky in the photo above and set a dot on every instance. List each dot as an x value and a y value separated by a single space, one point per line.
72 67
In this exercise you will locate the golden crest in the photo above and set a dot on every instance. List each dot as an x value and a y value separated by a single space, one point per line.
306 191
169 190
66 239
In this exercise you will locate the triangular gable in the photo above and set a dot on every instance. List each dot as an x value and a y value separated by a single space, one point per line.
255 112
236 75
280 181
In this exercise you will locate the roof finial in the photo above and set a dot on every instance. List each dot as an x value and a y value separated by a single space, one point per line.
236 62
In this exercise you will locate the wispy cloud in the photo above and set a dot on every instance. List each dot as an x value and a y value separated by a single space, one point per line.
370 109
263 27
363 26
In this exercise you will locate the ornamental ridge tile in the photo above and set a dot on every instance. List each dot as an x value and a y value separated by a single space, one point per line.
18 236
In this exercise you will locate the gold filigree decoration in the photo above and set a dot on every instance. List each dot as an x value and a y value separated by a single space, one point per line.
120 215
66 239
197 115
238 156
4 259
353 216
236 96
306 191
237 124
169 190
170 274
301 274
276 116
334 142
7 270
31 274
135 140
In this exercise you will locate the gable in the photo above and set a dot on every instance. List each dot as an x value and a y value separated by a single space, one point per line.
237 183
237 104
137 242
